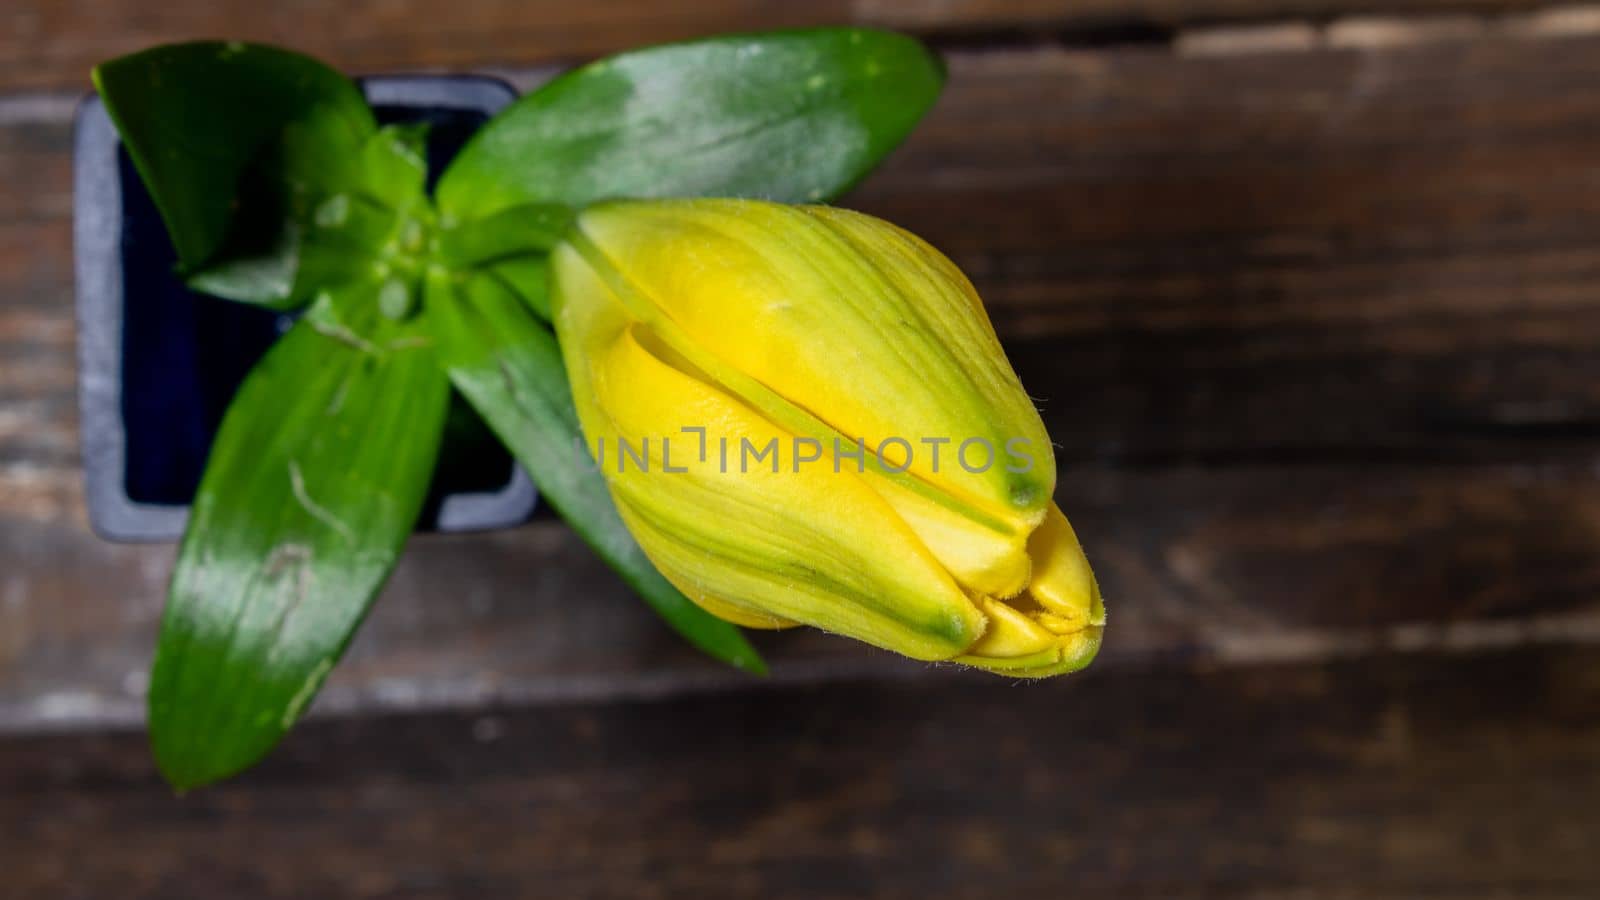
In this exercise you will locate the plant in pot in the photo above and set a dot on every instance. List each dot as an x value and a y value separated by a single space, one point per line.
160 361
281 190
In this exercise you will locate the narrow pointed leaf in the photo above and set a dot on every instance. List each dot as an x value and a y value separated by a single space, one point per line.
195 116
787 115
509 367
314 482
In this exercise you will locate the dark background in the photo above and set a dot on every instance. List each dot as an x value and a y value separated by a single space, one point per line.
1311 292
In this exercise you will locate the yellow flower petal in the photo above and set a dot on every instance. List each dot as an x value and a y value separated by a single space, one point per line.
812 546
1062 581
760 326
858 323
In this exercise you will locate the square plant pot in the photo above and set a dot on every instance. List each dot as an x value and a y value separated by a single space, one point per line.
159 363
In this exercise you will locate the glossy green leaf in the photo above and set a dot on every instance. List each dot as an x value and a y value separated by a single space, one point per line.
791 115
315 480
393 166
529 277
260 269
509 367
513 246
530 229
314 215
195 116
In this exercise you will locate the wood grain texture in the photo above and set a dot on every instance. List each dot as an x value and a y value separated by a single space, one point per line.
1391 777
54 43
1316 333
1208 256
1309 253
1246 565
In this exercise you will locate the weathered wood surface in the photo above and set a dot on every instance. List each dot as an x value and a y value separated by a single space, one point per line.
1307 252
1316 331
1389 777
1312 298
1232 565
54 43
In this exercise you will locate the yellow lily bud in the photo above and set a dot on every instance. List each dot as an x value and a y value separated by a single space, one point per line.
804 416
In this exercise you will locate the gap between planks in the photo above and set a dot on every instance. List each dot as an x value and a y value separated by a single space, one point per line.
76 711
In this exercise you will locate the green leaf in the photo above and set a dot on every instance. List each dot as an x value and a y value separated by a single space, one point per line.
792 115
258 270
509 367
512 245
311 218
531 229
314 482
195 116
393 166
529 277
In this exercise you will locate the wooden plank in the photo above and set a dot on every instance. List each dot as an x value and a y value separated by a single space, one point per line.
1293 253
1232 565
47 43
1262 301
1175 228
1466 777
